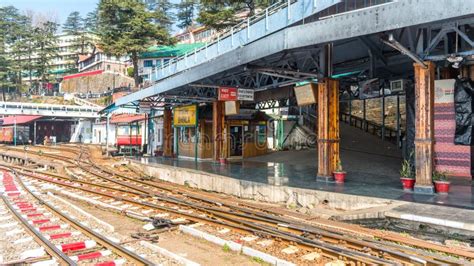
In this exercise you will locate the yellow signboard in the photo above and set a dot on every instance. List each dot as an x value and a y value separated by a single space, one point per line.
185 116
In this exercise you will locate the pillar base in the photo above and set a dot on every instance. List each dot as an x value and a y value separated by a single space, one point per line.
419 189
322 178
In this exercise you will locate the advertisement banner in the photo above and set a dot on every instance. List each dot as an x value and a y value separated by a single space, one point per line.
185 116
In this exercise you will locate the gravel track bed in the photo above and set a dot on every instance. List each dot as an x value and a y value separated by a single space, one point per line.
105 230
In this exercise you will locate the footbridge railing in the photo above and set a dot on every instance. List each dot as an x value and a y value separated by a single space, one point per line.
57 110
276 17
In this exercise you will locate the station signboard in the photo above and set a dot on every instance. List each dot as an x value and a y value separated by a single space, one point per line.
227 94
245 95
185 116
235 94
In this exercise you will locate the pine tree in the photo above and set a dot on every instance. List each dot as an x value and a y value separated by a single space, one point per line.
185 14
222 14
163 15
45 41
90 21
74 26
126 27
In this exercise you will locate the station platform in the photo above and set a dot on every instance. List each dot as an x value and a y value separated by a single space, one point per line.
372 167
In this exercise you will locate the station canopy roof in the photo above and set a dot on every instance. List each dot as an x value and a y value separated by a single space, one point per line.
19 119
170 51
126 118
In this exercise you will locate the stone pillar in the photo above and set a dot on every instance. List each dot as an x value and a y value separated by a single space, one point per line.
167 133
328 128
424 126
218 119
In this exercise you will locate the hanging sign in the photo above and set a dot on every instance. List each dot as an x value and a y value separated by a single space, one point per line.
185 116
245 95
227 94
306 94
234 94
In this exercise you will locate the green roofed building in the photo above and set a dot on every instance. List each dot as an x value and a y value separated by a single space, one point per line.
157 56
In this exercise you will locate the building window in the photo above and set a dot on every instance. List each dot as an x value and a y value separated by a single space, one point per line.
108 67
165 61
148 63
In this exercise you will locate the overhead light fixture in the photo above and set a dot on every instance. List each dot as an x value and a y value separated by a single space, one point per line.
455 60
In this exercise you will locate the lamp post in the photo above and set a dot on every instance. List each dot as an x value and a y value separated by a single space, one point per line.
14 131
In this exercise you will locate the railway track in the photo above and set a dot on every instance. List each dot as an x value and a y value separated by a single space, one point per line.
65 240
99 181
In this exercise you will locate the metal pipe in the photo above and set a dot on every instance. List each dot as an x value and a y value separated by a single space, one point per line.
392 42
398 122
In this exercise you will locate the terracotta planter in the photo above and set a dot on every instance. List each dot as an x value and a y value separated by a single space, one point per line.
442 186
339 177
408 183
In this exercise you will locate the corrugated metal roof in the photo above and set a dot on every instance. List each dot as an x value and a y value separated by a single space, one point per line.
126 118
19 119
170 51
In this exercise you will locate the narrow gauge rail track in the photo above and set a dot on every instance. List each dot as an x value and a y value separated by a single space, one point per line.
333 244
259 223
92 247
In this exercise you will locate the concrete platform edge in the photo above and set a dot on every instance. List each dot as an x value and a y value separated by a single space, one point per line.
244 189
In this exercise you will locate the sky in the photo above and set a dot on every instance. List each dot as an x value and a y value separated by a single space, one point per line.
62 8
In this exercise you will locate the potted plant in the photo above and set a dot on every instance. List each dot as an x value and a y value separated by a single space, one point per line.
407 175
441 182
339 173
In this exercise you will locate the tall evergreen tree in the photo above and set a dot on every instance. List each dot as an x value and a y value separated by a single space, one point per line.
90 21
126 27
74 26
163 15
74 23
45 41
222 14
185 14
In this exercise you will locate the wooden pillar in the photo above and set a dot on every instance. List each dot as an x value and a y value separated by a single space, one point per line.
424 125
218 118
328 128
167 133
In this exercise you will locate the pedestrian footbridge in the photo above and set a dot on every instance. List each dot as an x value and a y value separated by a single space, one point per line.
51 110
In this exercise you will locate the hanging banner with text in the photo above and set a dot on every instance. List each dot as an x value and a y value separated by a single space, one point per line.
235 94
185 116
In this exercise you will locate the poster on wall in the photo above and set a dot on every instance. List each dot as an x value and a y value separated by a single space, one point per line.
185 116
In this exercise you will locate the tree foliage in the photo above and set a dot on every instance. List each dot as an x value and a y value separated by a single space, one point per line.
127 27
222 14
185 14
26 49
90 21
45 42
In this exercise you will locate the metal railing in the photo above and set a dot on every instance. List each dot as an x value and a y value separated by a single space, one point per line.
19 108
270 20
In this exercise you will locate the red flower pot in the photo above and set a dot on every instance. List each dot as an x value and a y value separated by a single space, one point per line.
442 186
408 183
339 176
